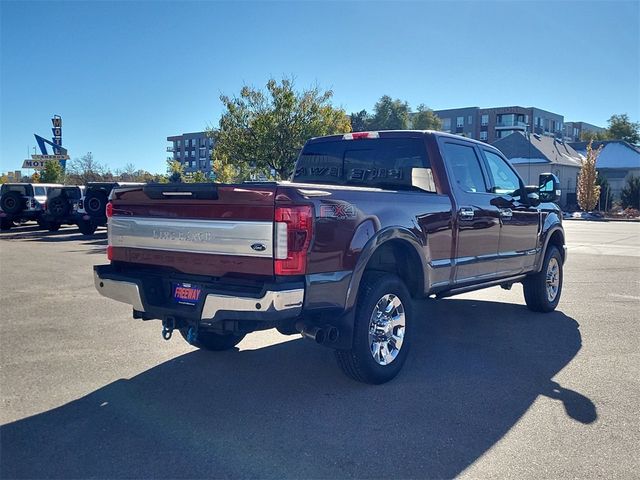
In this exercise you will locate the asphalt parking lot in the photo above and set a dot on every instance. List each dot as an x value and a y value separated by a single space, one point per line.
490 390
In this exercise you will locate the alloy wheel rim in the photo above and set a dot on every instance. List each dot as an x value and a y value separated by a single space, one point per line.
386 329
553 279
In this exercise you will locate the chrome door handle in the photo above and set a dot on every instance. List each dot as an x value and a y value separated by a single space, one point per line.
506 213
466 213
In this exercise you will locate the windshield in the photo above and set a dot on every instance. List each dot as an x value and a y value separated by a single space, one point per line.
380 162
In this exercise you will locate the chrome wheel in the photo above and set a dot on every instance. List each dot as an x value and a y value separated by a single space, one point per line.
553 279
386 329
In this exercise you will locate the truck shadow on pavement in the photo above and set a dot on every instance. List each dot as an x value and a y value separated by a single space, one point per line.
286 410
32 233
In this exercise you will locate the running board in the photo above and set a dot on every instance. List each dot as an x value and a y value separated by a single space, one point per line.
479 286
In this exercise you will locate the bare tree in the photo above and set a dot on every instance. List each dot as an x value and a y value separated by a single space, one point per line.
86 169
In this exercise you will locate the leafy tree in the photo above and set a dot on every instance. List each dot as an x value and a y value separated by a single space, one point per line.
197 177
630 194
4 179
426 119
588 136
389 114
35 178
588 190
605 201
175 171
622 128
263 131
52 172
360 121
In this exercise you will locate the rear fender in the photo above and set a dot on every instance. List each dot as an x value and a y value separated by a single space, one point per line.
379 239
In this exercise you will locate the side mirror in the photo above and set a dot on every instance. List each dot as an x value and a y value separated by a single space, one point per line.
422 178
534 199
549 188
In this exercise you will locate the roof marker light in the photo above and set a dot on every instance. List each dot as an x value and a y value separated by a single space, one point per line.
360 135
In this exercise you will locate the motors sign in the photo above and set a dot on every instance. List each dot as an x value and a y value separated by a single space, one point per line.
38 162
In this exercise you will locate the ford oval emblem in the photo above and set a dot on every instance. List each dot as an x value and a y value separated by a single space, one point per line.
258 247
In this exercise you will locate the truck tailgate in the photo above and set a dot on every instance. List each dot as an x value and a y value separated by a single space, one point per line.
205 229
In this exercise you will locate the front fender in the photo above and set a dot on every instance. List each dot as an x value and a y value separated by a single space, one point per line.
552 224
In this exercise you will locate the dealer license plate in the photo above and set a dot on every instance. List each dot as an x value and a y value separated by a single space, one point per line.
186 293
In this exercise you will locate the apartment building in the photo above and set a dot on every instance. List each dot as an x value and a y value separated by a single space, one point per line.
573 130
491 124
193 151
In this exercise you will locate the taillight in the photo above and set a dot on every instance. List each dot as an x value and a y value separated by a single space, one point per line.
294 227
33 203
109 212
80 204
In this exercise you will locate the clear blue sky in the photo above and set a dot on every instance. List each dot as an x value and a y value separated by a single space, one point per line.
125 75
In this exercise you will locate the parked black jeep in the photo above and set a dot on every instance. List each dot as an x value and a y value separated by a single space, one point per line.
62 207
94 204
22 202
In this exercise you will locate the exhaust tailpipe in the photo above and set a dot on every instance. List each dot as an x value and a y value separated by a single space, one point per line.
316 334
322 335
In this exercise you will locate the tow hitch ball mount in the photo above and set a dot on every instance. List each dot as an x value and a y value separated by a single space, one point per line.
168 326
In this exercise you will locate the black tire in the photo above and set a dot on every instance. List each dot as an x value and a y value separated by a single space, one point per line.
537 291
87 228
358 362
5 224
58 206
42 223
95 203
213 341
12 202
53 227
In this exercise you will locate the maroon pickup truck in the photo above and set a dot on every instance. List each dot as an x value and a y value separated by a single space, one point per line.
369 222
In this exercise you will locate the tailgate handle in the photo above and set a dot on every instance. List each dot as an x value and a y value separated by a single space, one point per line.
176 194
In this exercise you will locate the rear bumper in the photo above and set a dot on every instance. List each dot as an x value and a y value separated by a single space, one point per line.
24 215
151 298
70 219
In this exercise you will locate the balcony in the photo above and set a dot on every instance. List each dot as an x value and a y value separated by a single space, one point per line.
511 124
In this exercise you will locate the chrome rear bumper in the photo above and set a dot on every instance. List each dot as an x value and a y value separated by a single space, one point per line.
125 292
272 305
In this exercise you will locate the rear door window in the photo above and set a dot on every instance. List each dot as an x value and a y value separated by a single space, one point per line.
39 191
26 190
464 167
380 162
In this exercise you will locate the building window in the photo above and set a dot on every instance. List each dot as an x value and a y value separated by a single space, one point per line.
193 153
484 120
178 143
446 124
203 152
459 121
469 120
483 136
